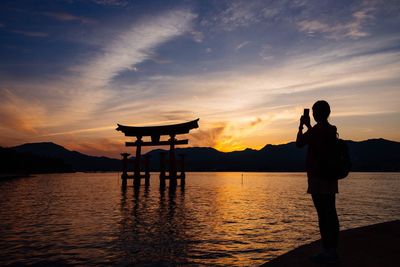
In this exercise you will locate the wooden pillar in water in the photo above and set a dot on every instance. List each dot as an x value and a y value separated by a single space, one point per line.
162 169
147 170
136 173
124 175
172 161
183 175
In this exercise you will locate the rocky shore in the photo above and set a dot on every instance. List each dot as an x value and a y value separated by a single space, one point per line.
369 246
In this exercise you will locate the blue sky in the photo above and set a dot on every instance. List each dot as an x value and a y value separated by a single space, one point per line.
70 70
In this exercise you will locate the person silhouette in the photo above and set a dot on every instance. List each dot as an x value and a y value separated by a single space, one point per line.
322 185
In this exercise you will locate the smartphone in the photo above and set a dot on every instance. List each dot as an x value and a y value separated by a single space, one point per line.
306 112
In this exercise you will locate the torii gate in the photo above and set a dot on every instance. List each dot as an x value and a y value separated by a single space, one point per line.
155 132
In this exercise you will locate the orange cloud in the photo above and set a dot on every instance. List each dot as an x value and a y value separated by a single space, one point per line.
18 114
98 147
208 137
257 121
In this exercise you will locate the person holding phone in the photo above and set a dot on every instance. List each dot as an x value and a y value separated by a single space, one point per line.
323 187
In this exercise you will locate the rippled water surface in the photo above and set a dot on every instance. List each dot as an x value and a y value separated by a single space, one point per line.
218 220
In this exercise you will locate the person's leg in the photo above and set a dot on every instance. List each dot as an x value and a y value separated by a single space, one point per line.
329 227
332 222
320 205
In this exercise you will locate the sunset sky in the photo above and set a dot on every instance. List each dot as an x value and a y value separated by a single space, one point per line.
71 70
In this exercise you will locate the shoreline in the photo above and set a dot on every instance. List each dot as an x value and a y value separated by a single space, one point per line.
187 171
367 246
5 176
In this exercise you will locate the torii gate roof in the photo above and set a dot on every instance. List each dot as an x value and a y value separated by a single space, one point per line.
172 129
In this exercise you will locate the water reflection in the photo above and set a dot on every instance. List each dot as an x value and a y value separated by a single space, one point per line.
153 232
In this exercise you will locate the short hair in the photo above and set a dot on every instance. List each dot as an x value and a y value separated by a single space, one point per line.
322 109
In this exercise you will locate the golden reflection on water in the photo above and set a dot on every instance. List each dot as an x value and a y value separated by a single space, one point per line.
218 219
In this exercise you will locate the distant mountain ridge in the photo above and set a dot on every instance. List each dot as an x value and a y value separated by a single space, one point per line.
369 155
21 164
76 160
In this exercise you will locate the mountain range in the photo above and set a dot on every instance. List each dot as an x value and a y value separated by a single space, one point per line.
369 155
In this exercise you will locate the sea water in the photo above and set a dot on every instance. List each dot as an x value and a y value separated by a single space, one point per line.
217 219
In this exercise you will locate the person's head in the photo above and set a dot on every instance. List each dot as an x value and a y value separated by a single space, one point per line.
321 111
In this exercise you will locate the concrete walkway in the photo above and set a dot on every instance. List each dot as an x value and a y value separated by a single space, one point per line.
370 246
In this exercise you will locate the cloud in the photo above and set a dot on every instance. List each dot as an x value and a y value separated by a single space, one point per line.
176 115
110 147
257 121
19 114
266 52
207 138
313 26
135 46
247 92
74 100
241 45
303 15
237 14
111 2
87 130
353 28
271 12
64 16
31 34
197 36
231 101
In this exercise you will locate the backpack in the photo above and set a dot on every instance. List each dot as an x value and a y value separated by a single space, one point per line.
342 161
